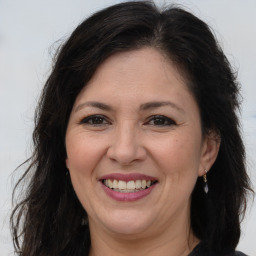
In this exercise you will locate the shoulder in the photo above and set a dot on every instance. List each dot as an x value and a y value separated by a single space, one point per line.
201 250
239 254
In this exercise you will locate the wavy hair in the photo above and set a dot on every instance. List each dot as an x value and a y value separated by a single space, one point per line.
50 220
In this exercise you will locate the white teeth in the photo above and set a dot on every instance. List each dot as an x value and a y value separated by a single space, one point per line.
138 184
110 184
115 184
122 184
143 184
130 186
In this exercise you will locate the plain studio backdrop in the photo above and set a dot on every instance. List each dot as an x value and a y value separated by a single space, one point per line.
30 31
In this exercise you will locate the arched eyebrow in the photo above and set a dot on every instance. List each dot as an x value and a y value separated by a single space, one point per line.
94 104
143 107
158 104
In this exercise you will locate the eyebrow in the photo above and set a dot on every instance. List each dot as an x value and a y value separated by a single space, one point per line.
94 104
143 107
158 104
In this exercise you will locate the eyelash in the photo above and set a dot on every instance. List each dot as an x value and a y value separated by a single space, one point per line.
99 120
90 120
164 120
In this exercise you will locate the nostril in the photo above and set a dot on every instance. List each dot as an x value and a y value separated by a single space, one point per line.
126 154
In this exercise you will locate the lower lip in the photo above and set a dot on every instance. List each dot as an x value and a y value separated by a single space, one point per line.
128 197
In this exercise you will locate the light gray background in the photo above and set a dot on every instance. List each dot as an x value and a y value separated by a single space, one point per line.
28 30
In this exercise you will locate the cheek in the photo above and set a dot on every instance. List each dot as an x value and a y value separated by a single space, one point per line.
179 160
177 152
83 154
83 157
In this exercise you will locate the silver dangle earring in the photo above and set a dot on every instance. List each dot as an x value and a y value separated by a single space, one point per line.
206 188
67 172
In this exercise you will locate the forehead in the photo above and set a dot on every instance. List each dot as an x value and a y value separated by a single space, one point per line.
145 70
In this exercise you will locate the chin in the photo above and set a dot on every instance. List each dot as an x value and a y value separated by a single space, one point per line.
127 222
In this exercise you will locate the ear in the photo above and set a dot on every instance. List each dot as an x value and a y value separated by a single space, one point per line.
209 152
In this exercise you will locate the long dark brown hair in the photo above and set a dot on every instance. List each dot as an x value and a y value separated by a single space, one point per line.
50 220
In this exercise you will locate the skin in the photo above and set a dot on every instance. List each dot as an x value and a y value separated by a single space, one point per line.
128 139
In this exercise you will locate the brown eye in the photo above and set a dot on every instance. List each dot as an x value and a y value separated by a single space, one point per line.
159 120
95 120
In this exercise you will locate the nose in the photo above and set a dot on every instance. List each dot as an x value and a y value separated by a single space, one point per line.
126 145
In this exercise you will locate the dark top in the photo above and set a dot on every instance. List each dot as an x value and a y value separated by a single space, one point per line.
201 250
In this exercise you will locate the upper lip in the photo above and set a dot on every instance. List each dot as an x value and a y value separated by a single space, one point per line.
127 177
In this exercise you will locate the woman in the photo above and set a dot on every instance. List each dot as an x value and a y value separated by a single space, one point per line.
137 142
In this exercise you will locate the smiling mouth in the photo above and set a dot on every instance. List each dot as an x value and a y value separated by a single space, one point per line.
131 186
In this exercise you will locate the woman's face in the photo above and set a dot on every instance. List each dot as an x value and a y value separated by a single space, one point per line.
134 145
